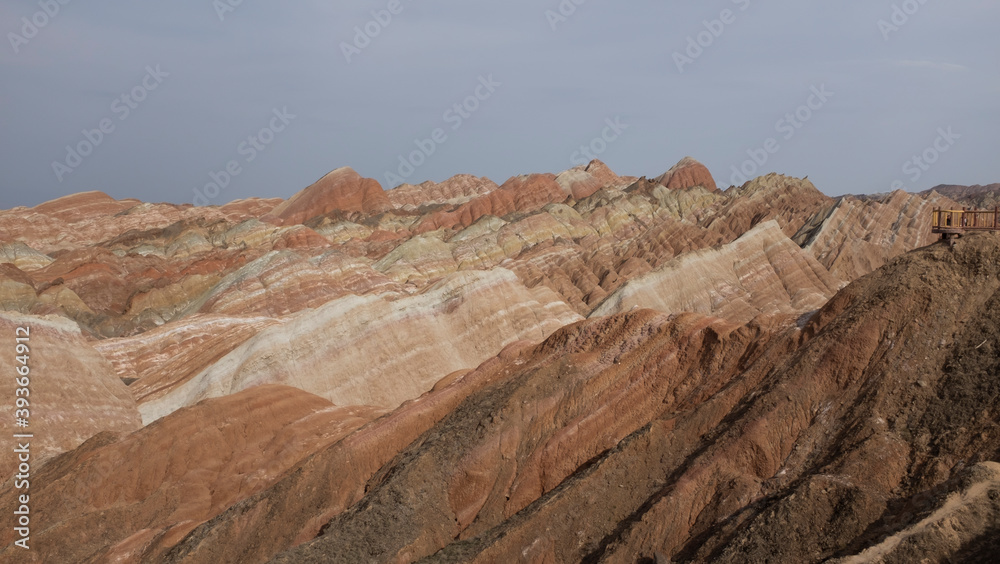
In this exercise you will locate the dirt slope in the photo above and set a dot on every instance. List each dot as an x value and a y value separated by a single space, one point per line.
891 390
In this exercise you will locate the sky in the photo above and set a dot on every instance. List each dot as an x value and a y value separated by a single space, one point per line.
202 101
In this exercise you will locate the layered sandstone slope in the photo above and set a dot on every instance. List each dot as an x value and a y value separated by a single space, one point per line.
161 359
367 350
120 268
92 217
71 392
168 291
855 235
484 446
456 190
526 438
790 201
520 193
128 268
166 301
583 180
286 281
893 396
761 272
749 435
142 279
118 498
643 436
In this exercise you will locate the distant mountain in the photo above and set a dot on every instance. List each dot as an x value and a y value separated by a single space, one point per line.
981 197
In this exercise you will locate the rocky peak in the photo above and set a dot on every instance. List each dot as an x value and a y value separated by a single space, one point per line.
686 174
342 189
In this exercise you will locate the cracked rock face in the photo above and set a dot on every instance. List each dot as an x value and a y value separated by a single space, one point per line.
560 368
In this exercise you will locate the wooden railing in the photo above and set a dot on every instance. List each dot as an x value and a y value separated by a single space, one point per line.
958 221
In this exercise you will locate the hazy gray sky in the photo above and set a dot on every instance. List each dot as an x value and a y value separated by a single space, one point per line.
848 93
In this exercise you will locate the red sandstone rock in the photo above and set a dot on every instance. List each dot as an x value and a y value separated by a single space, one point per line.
84 204
790 201
341 190
146 490
761 272
603 173
582 181
686 174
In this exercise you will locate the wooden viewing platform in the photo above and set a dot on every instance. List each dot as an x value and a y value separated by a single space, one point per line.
953 223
